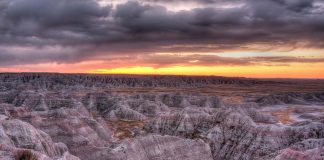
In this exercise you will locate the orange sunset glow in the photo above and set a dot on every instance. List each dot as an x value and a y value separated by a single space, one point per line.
301 71
290 71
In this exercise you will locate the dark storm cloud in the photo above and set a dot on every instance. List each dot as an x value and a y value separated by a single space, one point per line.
54 13
213 60
21 56
198 1
137 27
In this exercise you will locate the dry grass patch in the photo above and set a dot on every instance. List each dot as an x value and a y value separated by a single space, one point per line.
121 128
284 115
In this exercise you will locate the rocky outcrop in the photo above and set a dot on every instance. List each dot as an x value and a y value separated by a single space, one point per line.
177 100
188 123
292 98
313 154
155 147
17 136
48 80
79 131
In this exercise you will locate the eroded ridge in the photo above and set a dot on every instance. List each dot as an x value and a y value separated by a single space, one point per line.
70 117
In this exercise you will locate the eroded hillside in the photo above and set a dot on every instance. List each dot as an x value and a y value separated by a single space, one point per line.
97 117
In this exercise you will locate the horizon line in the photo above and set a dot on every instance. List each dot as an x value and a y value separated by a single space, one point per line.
183 75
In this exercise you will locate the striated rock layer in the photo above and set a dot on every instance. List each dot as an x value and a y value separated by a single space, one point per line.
70 117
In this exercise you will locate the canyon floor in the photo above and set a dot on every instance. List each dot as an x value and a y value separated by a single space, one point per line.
47 116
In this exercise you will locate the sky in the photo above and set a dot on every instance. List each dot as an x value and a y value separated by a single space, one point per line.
240 38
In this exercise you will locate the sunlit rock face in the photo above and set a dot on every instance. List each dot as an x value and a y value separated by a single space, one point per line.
70 117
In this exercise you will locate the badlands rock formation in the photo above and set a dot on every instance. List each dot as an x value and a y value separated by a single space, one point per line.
292 98
119 117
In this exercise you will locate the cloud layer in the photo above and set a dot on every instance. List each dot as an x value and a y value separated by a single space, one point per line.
70 31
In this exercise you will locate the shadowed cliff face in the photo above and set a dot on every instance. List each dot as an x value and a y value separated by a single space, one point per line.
54 116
